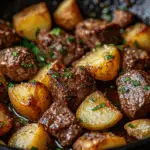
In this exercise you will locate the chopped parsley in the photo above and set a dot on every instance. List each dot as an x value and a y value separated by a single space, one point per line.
2 124
52 55
122 89
10 84
92 99
34 148
23 121
105 10
55 75
67 73
33 81
25 65
107 17
70 39
56 31
127 79
98 45
130 125
81 67
120 47
136 44
106 14
15 54
81 41
146 88
109 57
135 83
99 106
63 51
37 32
51 47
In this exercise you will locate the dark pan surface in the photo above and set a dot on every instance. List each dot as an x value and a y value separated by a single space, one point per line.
89 8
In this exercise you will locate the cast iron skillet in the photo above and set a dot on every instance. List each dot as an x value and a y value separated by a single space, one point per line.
88 8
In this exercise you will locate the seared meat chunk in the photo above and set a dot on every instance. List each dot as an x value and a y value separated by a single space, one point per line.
123 18
61 123
59 45
71 86
8 36
134 58
3 85
134 93
17 64
94 32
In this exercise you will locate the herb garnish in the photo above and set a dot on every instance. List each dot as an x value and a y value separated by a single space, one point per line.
122 89
55 75
69 39
109 57
34 148
25 65
98 45
136 83
92 99
136 44
2 124
120 47
15 54
127 79
146 88
130 125
37 32
10 84
56 31
99 106
52 55
67 73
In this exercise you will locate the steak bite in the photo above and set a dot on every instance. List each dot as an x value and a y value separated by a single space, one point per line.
134 58
93 32
61 123
134 93
71 86
123 18
17 64
59 45
8 37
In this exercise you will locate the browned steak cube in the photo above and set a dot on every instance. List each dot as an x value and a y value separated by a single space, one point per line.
123 18
93 32
59 45
8 37
71 86
134 58
61 123
17 64
134 93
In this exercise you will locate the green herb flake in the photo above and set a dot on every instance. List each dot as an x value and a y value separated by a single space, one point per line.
10 84
120 47
56 31
63 51
34 148
99 106
82 67
23 121
105 10
55 75
122 89
81 41
37 32
135 83
130 125
69 39
147 88
136 44
98 45
92 99
107 17
2 124
52 55
127 79
51 47
67 73
33 81
15 54
109 57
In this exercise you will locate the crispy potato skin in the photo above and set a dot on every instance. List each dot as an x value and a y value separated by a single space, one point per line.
30 99
139 33
68 15
139 129
32 135
5 120
101 118
103 63
29 20
98 141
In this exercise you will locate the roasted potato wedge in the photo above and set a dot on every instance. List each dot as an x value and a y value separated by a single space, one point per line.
138 35
97 113
103 63
43 74
139 129
3 86
67 15
98 141
5 120
29 137
29 21
30 99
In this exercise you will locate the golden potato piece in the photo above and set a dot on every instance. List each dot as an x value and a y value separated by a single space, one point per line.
103 63
43 74
139 129
5 120
98 141
68 15
97 113
138 35
29 137
30 99
32 19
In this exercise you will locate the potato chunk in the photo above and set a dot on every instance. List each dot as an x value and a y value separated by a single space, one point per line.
103 63
30 20
30 99
29 137
139 129
138 35
98 141
97 113
67 15
5 120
